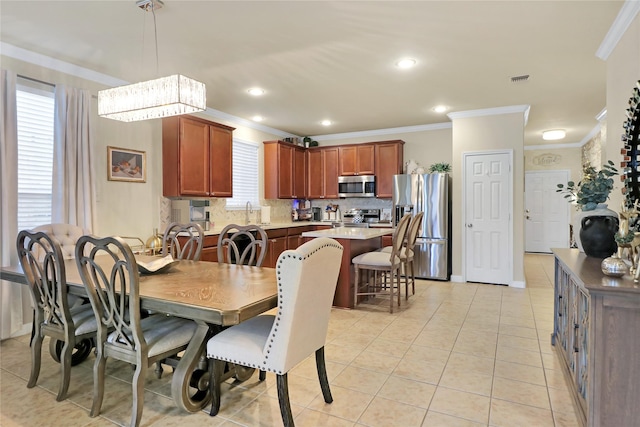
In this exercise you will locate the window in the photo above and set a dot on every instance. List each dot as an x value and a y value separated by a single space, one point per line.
35 110
245 175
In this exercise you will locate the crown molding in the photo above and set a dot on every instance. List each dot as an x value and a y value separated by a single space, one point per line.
21 54
553 146
602 115
513 109
58 65
377 132
625 17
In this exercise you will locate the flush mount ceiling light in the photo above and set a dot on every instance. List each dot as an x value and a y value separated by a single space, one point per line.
152 99
326 123
256 91
406 63
257 118
440 108
552 135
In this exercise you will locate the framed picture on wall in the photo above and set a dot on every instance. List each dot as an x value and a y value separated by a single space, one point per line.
126 165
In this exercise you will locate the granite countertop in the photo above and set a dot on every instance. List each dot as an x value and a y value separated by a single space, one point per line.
214 231
349 233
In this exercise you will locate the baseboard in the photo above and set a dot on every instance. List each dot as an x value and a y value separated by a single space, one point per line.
457 279
518 284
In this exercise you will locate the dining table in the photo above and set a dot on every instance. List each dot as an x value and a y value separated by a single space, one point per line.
214 295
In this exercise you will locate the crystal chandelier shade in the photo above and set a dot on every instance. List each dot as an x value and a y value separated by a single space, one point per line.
153 99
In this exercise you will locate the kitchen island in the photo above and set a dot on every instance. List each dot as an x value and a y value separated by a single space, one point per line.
355 242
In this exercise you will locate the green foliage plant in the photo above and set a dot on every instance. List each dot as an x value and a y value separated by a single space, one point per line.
594 187
440 168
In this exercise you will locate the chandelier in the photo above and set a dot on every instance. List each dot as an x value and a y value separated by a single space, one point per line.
152 99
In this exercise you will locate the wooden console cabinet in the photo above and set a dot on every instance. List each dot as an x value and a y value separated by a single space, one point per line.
196 158
597 335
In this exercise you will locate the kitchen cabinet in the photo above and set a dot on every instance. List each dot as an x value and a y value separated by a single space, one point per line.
284 171
356 159
322 173
277 244
596 323
388 162
197 158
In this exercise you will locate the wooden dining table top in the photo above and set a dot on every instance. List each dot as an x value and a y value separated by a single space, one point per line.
220 294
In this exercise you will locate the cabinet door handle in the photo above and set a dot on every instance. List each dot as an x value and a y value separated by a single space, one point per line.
559 305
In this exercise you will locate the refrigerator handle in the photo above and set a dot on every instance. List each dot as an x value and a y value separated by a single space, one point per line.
420 206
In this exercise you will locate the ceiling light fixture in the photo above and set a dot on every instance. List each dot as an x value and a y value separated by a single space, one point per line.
257 118
256 91
552 135
406 63
326 123
440 109
152 99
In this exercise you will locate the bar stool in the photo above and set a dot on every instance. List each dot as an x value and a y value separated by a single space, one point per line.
407 252
384 262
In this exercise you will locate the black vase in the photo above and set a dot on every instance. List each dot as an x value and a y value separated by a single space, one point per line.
597 236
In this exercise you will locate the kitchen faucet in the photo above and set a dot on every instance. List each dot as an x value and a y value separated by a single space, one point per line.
247 210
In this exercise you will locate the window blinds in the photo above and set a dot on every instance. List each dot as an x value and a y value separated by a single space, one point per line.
245 175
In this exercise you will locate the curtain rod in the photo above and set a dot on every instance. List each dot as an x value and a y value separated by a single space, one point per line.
36 80
46 83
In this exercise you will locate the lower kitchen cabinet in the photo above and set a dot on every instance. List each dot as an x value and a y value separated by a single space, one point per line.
596 324
276 244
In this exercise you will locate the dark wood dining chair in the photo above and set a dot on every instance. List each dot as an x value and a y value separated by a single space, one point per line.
42 261
307 279
110 275
242 244
183 241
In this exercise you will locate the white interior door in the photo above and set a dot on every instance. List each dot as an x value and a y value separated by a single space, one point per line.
488 223
546 211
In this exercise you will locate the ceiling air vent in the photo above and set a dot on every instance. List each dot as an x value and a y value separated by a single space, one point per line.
520 79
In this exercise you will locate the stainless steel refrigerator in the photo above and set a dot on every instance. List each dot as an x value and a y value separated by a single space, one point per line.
428 193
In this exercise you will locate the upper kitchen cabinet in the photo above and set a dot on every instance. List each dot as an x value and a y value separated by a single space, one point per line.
196 158
284 171
389 162
357 159
322 173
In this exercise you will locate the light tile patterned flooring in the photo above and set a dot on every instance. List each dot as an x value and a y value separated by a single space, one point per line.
455 355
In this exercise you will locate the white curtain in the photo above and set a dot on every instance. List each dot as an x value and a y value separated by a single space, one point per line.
14 318
73 193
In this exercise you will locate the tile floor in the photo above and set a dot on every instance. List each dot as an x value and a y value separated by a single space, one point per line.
454 355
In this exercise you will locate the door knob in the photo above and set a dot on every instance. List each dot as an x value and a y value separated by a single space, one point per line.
527 217
469 225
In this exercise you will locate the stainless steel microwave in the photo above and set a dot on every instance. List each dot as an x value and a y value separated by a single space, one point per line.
357 186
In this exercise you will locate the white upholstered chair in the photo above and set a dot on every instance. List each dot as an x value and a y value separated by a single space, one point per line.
384 262
109 272
183 241
307 279
407 253
42 261
66 234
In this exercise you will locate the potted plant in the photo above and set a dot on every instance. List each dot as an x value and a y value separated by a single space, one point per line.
440 168
595 225
594 188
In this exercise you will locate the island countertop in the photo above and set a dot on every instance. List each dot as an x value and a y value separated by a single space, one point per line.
355 233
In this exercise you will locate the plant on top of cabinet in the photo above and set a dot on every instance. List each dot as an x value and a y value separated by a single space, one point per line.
440 168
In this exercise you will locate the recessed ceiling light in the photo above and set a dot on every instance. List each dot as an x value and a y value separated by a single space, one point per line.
406 63
440 108
326 123
256 91
552 135
257 118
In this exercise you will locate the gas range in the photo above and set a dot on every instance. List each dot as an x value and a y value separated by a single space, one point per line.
358 216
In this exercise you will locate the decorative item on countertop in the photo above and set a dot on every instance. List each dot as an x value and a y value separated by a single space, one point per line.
153 244
440 168
614 266
627 238
589 194
597 235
